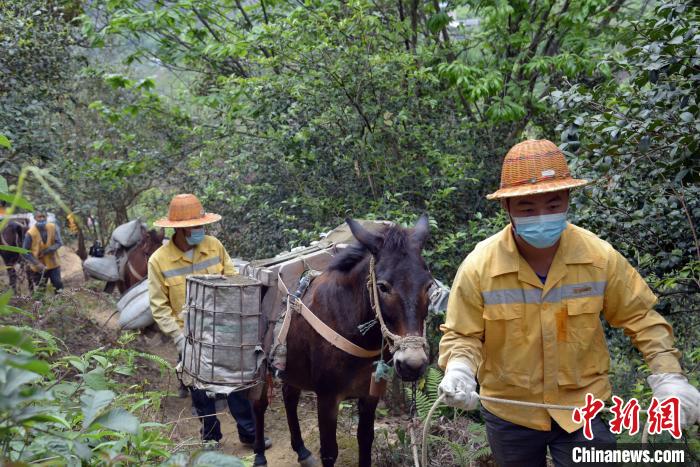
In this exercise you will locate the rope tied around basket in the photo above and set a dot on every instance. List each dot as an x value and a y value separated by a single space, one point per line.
395 341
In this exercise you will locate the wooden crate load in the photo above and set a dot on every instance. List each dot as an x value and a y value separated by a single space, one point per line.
223 349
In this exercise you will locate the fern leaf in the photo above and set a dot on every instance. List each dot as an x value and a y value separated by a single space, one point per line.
49 339
433 379
156 359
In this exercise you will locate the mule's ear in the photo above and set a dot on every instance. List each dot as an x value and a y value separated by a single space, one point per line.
421 230
369 240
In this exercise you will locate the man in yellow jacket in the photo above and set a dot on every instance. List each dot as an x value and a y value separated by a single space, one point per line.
523 319
190 251
43 240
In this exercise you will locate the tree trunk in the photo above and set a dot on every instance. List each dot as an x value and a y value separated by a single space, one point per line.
120 215
82 252
414 24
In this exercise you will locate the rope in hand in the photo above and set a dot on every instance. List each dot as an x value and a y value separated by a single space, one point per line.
438 401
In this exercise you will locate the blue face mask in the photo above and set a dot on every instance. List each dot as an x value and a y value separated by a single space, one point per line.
41 224
195 237
540 231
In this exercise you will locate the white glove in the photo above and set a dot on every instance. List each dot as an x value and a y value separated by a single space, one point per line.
180 343
459 386
666 385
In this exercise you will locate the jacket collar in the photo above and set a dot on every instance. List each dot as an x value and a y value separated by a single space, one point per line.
177 254
506 258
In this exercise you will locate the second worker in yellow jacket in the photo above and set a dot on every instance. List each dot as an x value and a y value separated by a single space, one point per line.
190 251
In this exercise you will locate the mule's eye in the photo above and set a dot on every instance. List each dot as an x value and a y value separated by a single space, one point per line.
383 286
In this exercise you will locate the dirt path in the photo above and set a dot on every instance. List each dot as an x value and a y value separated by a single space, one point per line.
186 429
71 271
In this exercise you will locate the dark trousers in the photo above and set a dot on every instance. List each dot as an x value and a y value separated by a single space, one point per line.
54 275
518 446
240 408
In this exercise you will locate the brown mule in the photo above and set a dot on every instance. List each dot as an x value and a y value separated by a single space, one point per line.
137 259
341 299
12 235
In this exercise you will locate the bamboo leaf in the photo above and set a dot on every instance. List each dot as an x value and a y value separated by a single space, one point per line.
18 200
14 249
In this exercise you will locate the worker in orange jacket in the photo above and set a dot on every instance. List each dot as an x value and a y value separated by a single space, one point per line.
43 240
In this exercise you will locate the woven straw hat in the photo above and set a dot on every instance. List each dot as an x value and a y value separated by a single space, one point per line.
534 166
186 211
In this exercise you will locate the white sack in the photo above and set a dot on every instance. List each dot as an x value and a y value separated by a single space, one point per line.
135 308
128 234
104 269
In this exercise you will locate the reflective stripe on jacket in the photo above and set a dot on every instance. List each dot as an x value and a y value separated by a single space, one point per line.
167 269
544 343
50 260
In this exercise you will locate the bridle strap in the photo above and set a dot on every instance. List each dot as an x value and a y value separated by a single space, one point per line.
395 341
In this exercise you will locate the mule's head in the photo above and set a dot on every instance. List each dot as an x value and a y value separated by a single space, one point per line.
151 241
403 280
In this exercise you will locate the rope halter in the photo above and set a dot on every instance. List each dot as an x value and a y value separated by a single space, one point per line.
395 341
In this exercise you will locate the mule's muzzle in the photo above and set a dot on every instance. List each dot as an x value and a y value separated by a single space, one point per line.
410 364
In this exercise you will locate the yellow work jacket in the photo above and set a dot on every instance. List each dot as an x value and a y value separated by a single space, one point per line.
50 260
167 269
544 343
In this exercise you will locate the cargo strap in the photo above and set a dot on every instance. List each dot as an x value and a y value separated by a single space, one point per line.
138 276
295 304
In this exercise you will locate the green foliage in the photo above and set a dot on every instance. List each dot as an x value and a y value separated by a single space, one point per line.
75 411
309 112
14 201
5 142
428 395
37 63
116 148
477 449
453 439
637 136
41 416
203 459
286 117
